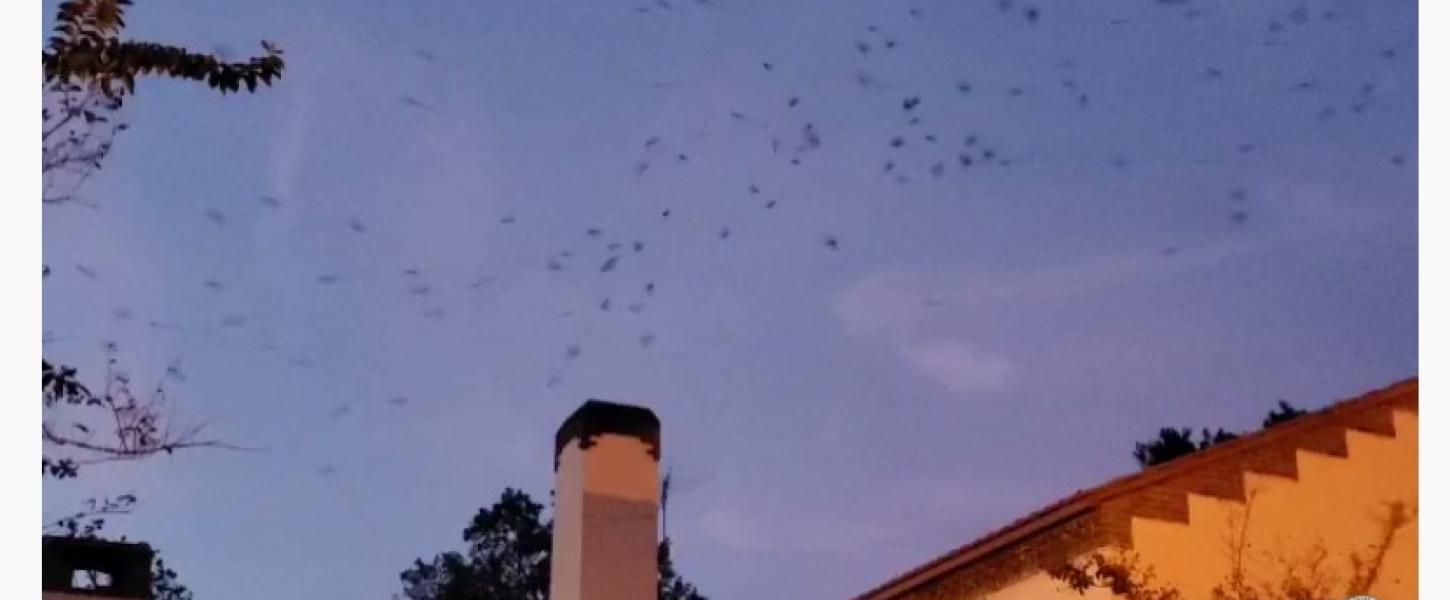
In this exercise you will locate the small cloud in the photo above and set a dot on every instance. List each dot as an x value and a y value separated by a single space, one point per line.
901 310
737 531
958 365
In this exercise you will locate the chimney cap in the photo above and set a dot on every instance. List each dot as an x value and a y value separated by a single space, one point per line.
598 417
128 564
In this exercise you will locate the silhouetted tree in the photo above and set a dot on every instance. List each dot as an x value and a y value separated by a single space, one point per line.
509 546
88 70
1283 414
164 585
1174 443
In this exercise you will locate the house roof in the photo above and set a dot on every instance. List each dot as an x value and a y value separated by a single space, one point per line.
1084 501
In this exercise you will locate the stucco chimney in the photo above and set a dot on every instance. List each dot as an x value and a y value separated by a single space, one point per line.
606 504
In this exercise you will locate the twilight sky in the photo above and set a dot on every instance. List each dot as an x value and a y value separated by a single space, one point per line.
1205 206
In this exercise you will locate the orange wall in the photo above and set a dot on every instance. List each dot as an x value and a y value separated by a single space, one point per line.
1336 504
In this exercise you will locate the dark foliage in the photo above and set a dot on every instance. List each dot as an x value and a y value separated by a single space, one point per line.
164 585
1284 413
88 71
1174 443
86 46
509 546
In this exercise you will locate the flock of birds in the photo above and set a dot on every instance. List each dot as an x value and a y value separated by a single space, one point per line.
918 148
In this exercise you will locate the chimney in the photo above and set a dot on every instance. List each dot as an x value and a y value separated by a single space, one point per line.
92 569
606 504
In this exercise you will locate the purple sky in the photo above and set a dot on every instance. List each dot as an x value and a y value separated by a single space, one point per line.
980 344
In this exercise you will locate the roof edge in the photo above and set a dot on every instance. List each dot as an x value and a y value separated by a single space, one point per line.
1085 500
